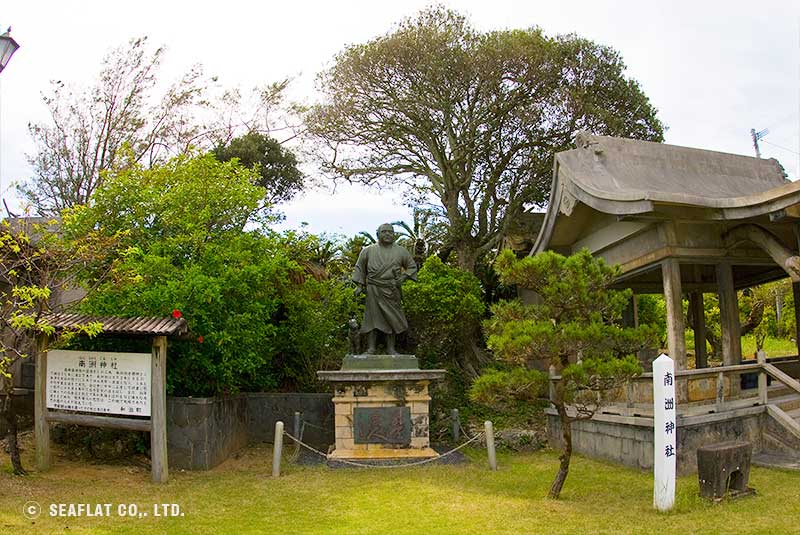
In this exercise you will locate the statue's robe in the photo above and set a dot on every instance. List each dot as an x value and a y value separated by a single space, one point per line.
379 269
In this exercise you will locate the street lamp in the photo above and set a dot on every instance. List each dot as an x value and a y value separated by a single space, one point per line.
7 48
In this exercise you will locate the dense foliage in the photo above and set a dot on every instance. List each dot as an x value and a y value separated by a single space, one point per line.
197 244
514 391
444 309
276 165
470 118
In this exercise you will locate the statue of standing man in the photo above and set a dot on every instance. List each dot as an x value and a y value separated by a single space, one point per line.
380 271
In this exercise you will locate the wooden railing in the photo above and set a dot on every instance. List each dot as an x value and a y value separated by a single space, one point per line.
700 391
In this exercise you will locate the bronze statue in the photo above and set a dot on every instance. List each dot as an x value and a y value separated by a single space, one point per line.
380 271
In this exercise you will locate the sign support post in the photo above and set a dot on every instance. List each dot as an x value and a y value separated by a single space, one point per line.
158 411
41 428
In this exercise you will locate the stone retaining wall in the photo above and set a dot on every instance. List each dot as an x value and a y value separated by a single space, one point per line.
629 440
203 432
264 409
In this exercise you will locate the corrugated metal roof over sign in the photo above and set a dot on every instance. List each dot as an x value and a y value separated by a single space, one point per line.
139 326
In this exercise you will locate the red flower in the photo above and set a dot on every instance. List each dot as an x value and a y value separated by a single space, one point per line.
176 314
200 339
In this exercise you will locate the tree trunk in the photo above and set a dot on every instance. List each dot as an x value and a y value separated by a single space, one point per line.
713 341
9 416
466 257
473 357
754 318
563 468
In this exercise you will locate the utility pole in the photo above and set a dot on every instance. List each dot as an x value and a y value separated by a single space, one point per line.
756 137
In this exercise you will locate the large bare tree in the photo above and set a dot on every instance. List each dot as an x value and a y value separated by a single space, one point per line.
128 116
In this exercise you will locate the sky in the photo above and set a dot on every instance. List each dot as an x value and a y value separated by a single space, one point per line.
713 69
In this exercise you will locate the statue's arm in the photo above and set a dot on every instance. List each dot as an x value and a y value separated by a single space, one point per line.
409 266
360 271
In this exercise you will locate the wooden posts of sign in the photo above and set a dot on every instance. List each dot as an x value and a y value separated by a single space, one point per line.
158 411
41 428
664 433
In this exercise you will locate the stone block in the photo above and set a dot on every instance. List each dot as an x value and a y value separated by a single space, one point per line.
344 443
343 420
420 426
380 362
724 467
420 442
419 407
344 409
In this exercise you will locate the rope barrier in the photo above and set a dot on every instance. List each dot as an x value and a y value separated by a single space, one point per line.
309 424
403 465
464 431
296 452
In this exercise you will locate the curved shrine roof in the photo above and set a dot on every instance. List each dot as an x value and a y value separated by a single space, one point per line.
626 177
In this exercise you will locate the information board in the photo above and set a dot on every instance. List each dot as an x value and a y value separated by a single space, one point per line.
99 382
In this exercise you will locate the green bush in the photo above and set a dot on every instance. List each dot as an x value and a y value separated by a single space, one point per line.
443 308
259 320
510 398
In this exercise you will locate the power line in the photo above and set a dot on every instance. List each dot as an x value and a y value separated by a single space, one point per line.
780 147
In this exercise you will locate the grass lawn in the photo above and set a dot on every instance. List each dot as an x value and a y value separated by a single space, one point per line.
774 347
240 497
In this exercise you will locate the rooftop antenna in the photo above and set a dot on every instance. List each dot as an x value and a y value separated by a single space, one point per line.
756 137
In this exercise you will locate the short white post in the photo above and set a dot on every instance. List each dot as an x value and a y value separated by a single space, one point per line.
277 449
456 424
664 432
762 378
490 445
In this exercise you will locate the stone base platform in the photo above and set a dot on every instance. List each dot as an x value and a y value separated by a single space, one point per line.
381 414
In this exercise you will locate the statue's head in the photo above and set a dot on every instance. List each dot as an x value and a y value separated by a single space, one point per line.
386 234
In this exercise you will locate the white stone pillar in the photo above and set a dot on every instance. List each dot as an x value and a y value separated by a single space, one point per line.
665 430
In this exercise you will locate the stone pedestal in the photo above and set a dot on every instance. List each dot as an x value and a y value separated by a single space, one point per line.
724 467
381 407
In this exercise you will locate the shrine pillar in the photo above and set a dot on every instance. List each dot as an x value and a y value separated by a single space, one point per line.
676 344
